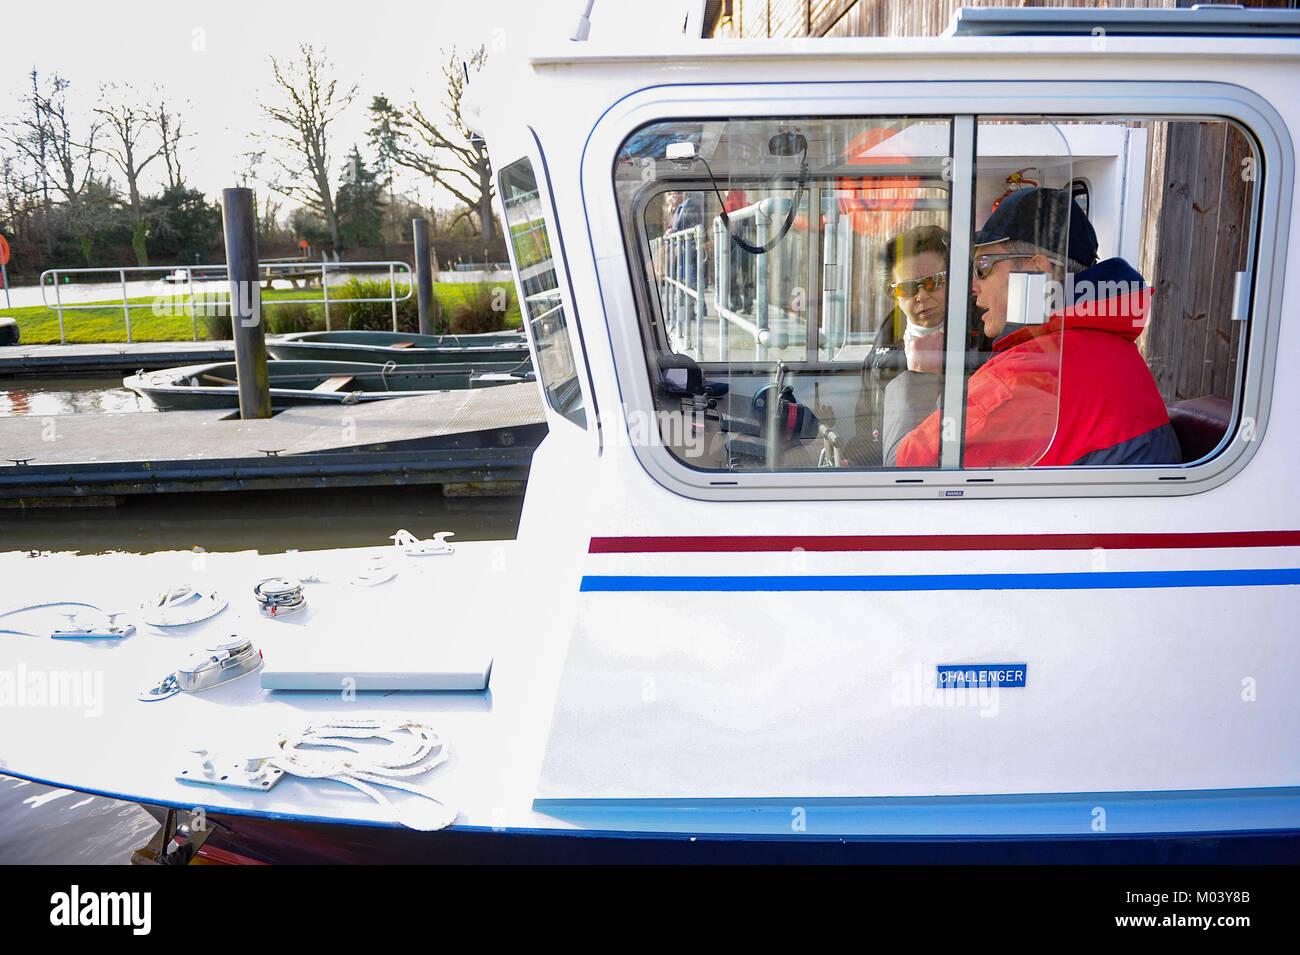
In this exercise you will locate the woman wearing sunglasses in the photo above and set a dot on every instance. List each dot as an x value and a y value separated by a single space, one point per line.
911 338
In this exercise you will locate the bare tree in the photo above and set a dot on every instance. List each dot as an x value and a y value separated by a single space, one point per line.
251 163
20 198
308 101
131 144
58 158
447 152
171 130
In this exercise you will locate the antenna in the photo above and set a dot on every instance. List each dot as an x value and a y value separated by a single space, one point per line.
583 29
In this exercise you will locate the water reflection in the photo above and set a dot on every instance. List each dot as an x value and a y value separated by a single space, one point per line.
56 396
41 825
267 521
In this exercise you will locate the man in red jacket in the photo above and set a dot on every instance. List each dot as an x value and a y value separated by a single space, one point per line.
1071 391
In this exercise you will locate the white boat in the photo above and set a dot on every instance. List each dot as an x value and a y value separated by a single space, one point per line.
743 637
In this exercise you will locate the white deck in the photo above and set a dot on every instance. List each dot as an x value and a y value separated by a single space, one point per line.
118 745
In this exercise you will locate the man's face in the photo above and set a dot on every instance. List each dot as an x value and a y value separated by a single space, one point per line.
991 291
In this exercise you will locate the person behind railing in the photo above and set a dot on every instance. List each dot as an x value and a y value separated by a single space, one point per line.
671 200
687 214
1073 390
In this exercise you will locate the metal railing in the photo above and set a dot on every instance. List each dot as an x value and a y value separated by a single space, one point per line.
679 258
761 213
832 330
185 279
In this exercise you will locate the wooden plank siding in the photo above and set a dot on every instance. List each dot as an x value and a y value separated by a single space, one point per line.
1195 241
1199 306
789 18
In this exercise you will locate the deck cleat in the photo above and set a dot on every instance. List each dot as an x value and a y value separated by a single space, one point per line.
229 772
89 622
411 546
82 626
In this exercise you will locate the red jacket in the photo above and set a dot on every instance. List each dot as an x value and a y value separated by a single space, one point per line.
1072 391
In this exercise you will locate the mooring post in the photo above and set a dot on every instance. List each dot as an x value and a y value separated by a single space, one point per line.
423 275
246 303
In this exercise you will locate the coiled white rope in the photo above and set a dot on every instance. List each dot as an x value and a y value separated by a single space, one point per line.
413 749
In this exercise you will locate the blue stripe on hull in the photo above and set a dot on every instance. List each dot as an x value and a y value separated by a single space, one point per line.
1117 580
975 818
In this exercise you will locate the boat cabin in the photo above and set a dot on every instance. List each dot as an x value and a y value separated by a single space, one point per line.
731 253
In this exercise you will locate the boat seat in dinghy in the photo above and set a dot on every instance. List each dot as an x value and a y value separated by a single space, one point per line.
337 383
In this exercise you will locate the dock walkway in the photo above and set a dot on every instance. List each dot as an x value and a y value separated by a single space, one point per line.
473 435
109 357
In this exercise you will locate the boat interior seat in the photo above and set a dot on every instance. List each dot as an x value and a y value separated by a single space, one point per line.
337 383
1200 424
402 345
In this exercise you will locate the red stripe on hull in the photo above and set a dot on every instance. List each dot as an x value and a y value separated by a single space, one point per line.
941 542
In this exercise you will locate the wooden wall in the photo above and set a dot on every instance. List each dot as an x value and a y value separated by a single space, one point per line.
1195 239
779 18
783 18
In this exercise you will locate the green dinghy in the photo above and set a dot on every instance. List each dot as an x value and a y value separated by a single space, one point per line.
319 382
399 347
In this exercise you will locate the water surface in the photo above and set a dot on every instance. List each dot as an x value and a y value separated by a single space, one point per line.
81 394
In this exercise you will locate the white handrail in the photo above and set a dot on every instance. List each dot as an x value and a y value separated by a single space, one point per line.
268 268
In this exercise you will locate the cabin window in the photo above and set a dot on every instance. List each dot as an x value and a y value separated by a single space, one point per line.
808 300
540 289
760 243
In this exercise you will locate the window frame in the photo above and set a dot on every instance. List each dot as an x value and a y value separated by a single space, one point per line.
623 289
536 160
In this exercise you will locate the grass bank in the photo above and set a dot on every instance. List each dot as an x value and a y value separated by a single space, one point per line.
168 318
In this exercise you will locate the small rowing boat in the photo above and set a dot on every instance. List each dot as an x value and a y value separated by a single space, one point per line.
400 347
292 383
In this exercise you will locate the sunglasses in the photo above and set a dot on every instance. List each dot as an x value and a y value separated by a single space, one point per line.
984 263
928 283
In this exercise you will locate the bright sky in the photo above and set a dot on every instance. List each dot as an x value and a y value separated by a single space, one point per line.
214 55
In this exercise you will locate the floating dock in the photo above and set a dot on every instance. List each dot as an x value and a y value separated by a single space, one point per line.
108 357
470 436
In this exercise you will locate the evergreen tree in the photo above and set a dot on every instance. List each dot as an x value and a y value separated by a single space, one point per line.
185 225
360 204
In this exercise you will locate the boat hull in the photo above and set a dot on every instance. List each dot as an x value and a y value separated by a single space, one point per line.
288 841
383 347
307 383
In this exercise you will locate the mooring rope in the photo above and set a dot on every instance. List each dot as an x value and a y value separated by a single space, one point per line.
413 750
